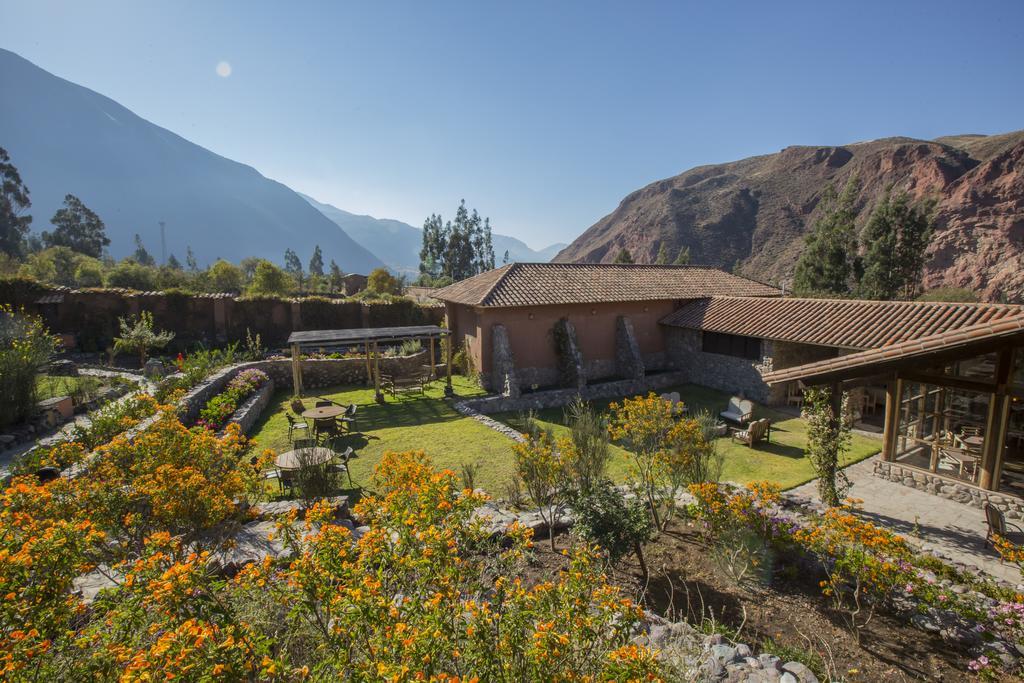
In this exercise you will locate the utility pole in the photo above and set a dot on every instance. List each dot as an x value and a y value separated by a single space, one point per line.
163 245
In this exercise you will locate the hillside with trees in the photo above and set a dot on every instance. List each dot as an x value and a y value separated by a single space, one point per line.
753 216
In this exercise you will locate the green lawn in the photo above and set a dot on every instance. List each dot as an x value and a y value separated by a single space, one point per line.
412 422
415 422
781 461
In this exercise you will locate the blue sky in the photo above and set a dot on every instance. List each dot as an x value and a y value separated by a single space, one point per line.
543 115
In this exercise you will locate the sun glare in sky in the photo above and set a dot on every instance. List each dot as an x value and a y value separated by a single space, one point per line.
223 69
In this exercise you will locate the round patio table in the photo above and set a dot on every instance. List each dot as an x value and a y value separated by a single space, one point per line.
292 460
323 413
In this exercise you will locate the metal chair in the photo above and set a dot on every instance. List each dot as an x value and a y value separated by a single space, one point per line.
295 425
349 418
997 524
304 443
322 404
344 456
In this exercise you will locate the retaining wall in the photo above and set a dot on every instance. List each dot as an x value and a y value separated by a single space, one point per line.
951 489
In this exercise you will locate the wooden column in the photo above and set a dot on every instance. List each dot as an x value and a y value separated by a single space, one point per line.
892 417
379 397
996 424
433 366
369 370
448 367
296 371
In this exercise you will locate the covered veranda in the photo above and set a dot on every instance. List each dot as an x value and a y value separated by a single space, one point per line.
954 409
369 340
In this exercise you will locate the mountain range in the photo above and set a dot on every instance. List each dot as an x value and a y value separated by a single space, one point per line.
751 216
398 243
67 139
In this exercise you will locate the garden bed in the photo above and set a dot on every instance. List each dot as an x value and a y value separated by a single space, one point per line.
788 617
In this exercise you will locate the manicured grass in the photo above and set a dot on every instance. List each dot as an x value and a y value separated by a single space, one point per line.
781 461
412 422
49 387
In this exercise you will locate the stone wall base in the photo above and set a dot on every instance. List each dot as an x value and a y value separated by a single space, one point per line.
559 397
951 489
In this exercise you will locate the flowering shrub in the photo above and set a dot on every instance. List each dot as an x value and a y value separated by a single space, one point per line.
662 449
25 345
219 409
865 565
544 472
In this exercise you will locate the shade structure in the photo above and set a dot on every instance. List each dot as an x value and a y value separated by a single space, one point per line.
368 338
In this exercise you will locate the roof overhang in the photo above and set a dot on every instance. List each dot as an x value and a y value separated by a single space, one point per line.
916 354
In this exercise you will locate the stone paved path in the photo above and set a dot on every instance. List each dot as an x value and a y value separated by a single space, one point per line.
955 530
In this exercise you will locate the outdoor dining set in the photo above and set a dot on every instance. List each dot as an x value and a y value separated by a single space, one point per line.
317 437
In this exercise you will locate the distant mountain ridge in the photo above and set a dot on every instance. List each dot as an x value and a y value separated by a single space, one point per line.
65 138
751 215
398 244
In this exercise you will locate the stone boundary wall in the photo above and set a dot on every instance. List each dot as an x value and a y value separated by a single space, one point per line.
90 316
316 373
559 397
247 414
958 491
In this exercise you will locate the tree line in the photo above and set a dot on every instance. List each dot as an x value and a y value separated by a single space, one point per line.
886 261
456 249
74 254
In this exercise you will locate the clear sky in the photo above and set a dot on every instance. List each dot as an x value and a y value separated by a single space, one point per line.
542 115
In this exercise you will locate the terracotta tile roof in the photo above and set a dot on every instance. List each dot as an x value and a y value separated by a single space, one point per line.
536 284
845 323
979 338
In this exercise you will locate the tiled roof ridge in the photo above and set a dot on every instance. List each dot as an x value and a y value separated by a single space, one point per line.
878 302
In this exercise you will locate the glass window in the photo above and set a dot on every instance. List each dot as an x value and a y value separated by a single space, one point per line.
942 429
731 345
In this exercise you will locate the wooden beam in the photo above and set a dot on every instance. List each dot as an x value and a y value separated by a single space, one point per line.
893 391
296 371
996 424
448 367
950 381
377 396
369 370
433 366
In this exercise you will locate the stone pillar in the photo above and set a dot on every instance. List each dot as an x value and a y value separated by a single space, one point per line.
570 358
503 364
629 363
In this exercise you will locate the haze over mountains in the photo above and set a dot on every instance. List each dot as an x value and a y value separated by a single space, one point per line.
398 244
65 138
752 215
68 139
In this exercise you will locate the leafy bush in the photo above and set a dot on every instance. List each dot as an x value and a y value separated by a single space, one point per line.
663 450
138 335
617 525
25 345
425 594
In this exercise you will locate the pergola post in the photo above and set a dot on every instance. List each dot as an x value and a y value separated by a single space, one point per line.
433 366
448 368
296 371
369 370
377 396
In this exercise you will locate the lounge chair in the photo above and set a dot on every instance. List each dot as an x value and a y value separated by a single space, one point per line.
739 411
756 432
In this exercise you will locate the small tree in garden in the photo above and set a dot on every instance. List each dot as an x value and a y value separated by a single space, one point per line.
619 526
662 449
543 472
381 281
138 335
25 345
589 442
828 437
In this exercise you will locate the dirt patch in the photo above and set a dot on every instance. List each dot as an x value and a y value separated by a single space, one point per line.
784 613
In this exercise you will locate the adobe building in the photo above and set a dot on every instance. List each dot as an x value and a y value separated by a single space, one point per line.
545 325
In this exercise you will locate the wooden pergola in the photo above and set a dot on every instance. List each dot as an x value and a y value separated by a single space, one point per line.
369 339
